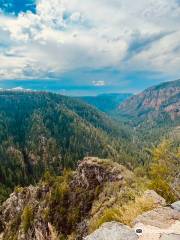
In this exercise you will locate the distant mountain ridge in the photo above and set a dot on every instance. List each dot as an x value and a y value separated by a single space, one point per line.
107 102
161 102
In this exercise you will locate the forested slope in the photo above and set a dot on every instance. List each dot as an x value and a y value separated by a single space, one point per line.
40 131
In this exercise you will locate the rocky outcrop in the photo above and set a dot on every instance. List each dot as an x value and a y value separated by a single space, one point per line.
113 230
11 214
58 207
17 201
93 171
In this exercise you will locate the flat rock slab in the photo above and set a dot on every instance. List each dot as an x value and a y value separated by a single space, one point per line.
154 233
170 237
160 217
113 231
159 224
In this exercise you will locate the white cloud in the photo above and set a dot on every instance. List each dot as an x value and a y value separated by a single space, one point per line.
66 35
17 89
76 17
99 83
20 89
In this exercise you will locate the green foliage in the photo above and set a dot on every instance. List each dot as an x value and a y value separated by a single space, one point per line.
163 189
42 132
4 193
163 169
58 200
109 215
27 218
66 205
43 135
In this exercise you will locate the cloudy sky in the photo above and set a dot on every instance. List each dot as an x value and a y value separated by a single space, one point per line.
89 46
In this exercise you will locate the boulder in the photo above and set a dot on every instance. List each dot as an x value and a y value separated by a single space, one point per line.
113 230
156 198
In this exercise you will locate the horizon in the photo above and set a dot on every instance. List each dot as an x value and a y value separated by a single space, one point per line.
54 87
88 48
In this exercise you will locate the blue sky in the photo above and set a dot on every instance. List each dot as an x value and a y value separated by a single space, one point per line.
88 47
17 6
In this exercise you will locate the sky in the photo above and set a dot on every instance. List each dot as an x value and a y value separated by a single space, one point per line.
86 47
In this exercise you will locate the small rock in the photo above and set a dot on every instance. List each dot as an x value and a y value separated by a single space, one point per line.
113 231
176 206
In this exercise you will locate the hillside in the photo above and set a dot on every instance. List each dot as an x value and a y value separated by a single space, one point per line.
154 113
157 103
107 102
40 131
42 138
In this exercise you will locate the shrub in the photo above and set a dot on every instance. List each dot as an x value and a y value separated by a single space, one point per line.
163 189
162 170
27 218
109 215
18 189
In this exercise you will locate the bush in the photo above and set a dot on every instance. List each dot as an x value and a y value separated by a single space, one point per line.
27 218
163 168
163 189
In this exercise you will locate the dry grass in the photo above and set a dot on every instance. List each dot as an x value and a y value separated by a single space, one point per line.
124 214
